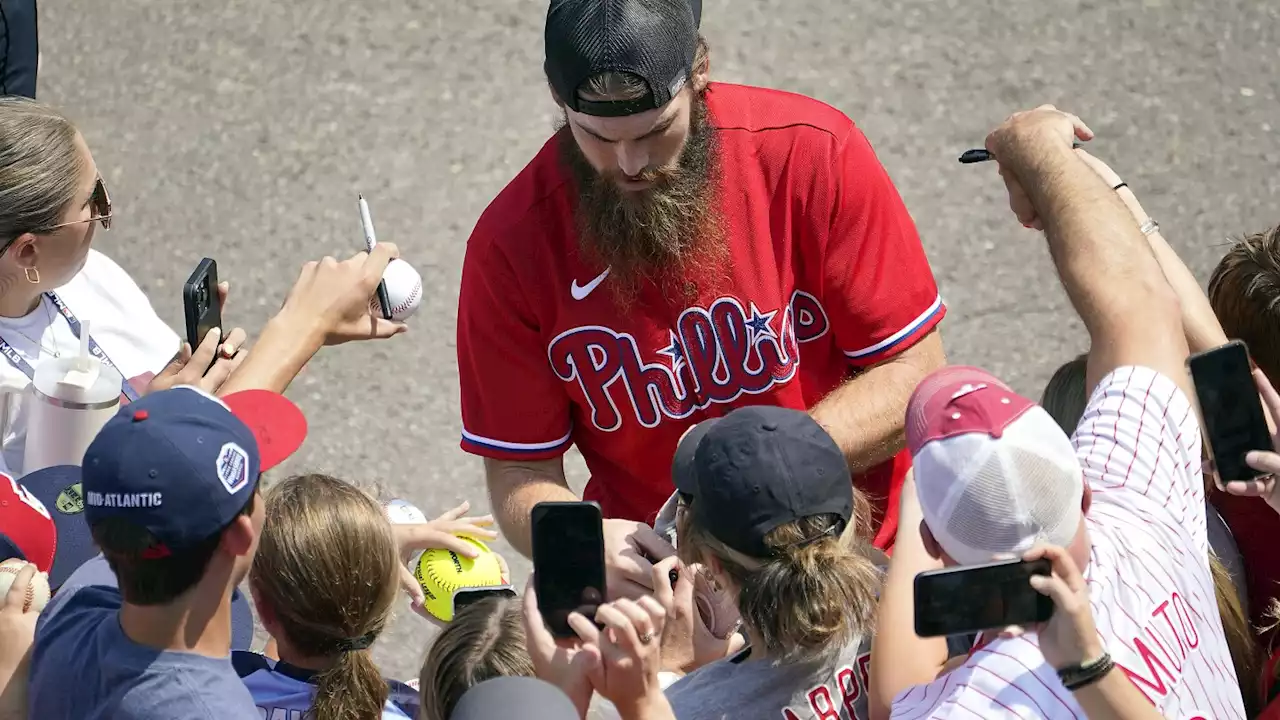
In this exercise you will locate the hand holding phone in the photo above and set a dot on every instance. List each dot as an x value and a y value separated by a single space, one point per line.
973 598
201 305
1230 410
568 562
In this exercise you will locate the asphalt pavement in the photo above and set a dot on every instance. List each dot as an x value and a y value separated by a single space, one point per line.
243 130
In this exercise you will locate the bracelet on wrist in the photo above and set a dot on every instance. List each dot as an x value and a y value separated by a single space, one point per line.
1083 674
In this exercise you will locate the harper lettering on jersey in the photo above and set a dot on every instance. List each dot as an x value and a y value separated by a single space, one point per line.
124 500
839 699
715 355
1163 646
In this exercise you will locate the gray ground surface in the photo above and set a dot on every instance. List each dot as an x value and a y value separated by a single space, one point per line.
243 129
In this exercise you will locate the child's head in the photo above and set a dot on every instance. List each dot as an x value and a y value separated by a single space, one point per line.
485 640
1244 291
324 581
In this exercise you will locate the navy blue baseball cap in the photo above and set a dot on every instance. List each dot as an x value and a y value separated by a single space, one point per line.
757 469
179 464
58 489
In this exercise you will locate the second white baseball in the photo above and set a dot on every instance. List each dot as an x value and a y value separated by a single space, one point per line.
404 289
37 591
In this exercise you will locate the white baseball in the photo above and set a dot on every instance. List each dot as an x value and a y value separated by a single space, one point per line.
404 289
37 591
403 512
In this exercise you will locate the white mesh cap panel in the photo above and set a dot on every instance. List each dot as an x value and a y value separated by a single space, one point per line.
985 497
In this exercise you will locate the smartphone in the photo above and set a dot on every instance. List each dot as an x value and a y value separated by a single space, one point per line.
200 302
1230 408
568 562
961 600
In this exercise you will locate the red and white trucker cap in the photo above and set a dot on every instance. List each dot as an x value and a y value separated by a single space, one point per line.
994 473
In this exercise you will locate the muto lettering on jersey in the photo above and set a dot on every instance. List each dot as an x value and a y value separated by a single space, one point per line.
1163 646
715 354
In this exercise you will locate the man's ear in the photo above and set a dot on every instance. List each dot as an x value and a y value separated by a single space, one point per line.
237 539
1086 500
701 74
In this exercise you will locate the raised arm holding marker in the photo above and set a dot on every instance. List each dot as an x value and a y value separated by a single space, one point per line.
371 239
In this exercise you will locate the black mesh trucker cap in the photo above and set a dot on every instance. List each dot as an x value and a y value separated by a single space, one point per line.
655 40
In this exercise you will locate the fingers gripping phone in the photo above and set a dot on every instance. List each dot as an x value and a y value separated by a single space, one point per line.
201 305
961 600
1230 408
568 562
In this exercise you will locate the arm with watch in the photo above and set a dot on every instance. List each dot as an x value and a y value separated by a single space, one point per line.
1071 645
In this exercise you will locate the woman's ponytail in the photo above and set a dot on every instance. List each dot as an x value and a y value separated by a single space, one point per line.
351 689
815 594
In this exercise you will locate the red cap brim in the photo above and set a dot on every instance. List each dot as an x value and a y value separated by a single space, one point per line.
26 526
276 423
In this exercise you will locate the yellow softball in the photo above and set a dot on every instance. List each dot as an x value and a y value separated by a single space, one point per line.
444 573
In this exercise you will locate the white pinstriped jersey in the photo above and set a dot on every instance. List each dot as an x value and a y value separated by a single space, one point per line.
1148 575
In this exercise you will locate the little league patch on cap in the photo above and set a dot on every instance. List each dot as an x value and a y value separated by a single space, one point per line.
179 463
26 526
994 473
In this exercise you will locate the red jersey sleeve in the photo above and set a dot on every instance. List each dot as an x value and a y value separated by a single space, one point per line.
879 291
513 406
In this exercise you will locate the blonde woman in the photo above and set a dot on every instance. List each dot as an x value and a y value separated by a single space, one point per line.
53 199
775 522
485 640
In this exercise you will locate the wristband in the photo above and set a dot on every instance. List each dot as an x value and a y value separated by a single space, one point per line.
1083 674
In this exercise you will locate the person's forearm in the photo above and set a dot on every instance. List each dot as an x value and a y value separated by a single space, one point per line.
900 659
1199 322
653 706
1115 697
1106 264
514 488
281 352
865 414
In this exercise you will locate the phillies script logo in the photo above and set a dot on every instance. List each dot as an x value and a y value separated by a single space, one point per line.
714 355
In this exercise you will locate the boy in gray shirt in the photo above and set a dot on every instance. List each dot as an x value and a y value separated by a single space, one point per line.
170 488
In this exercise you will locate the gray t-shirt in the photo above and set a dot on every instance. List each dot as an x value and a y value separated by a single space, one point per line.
83 667
739 688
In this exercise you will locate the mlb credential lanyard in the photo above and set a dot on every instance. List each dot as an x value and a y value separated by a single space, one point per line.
95 350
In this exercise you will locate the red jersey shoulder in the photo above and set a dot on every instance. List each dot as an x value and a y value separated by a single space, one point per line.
761 110
536 201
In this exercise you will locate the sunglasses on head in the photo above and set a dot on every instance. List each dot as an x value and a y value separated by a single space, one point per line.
100 204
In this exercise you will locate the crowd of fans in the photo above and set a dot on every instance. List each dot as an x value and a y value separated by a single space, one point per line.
780 599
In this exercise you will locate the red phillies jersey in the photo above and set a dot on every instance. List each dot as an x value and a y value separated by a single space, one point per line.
826 275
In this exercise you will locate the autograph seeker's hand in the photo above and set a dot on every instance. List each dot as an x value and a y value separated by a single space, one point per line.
190 367
1070 636
1021 141
446 533
687 642
333 297
1264 487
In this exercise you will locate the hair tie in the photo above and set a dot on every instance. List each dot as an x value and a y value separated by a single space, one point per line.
361 643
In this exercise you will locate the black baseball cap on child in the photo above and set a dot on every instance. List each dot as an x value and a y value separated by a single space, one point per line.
655 40
759 468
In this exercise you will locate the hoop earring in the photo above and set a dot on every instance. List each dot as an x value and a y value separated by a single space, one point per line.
33 275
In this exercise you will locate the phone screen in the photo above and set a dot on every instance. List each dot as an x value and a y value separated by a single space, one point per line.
1232 411
568 562
970 599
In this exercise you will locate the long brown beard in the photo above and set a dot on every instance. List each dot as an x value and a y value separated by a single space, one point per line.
668 234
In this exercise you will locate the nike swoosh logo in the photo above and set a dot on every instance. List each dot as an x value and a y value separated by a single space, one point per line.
581 291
